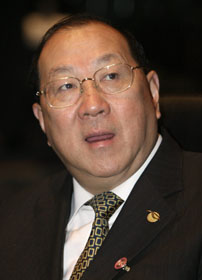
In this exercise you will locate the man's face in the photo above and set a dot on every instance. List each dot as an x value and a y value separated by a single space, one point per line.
102 139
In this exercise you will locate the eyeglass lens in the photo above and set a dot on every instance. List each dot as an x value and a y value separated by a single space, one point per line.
110 79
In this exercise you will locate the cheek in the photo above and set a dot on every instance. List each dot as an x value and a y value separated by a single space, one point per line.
58 124
133 116
130 111
134 125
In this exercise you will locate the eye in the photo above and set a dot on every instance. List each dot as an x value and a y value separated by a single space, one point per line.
111 76
67 86
63 86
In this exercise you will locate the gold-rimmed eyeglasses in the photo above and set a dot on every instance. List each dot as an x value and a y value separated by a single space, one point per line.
66 91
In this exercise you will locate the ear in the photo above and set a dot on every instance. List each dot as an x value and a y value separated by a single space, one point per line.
39 115
154 86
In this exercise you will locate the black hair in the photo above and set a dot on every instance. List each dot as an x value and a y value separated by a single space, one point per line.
77 20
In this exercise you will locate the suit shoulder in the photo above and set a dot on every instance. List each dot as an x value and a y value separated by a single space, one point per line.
192 163
29 195
192 178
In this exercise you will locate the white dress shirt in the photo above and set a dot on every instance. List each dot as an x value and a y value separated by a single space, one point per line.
82 216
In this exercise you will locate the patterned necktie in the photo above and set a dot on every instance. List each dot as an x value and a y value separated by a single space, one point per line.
104 205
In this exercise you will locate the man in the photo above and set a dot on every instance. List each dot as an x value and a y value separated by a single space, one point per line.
99 110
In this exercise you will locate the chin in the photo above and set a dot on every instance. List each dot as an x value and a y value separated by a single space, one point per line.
105 171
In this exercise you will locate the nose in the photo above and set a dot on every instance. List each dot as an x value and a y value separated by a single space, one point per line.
93 102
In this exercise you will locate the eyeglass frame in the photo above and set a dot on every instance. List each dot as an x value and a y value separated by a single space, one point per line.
43 92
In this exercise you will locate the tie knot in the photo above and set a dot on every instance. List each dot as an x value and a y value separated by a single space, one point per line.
105 204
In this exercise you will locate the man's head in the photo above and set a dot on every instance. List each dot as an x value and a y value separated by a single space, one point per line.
105 134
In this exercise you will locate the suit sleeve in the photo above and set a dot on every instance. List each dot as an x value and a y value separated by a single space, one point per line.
200 268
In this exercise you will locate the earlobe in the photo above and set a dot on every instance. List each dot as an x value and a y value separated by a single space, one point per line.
39 115
154 85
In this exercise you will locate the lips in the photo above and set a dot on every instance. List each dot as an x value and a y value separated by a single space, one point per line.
99 137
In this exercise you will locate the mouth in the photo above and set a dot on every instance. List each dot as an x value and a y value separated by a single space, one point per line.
94 138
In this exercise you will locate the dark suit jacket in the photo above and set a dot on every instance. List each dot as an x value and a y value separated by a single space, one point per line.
33 226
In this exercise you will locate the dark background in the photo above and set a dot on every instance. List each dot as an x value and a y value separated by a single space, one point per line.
170 31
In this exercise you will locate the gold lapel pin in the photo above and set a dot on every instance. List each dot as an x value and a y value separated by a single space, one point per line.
122 264
153 216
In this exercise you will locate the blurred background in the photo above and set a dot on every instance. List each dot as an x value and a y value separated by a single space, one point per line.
170 31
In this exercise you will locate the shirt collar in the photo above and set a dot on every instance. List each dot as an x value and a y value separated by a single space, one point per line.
126 187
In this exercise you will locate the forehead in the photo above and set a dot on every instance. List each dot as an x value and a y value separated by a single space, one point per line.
84 48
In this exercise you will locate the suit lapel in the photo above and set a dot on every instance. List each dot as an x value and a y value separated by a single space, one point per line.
63 208
52 213
132 232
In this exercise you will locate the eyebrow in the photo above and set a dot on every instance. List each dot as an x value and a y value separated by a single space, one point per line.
60 70
64 69
107 58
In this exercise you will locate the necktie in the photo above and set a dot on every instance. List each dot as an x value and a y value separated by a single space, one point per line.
104 205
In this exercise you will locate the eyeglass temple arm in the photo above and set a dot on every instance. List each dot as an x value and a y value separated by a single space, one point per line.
39 93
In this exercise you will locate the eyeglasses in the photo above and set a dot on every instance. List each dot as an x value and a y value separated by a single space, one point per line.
66 91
